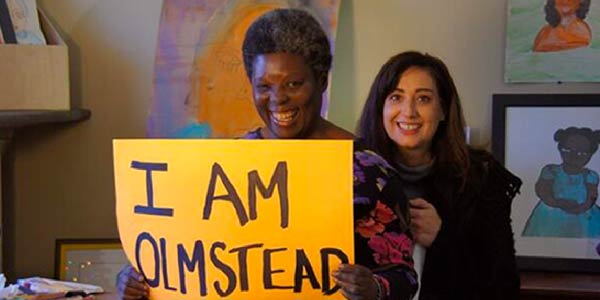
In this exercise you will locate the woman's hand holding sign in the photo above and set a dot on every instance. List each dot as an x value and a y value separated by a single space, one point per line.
131 284
356 282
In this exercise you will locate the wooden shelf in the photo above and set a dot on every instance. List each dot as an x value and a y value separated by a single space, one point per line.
549 285
11 119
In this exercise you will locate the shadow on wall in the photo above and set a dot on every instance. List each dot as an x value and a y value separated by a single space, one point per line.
62 185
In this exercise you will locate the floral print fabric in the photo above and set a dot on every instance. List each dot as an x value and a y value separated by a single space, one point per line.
382 238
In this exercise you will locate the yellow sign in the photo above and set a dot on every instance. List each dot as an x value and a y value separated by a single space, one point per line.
236 219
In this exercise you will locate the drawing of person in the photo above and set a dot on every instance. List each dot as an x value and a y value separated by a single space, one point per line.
568 192
25 23
566 28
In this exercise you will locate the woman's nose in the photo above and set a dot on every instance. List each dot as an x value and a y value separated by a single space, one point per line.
278 95
409 108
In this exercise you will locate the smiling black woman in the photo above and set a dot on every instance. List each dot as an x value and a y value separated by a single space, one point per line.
287 58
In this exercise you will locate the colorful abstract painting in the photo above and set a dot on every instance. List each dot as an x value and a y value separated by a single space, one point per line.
200 86
553 41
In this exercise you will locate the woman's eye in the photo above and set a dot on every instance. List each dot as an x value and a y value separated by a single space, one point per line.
295 84
424 99
262 88
393 97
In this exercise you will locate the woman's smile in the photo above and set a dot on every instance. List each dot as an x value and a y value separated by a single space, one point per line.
284 118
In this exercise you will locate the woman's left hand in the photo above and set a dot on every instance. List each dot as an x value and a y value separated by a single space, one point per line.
356 282
425 223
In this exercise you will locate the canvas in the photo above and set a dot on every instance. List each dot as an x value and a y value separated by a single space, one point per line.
542 46
200 87
551 143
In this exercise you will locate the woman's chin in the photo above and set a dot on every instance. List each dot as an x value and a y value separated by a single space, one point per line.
285 132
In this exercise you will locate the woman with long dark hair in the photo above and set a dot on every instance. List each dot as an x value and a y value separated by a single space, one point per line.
460 197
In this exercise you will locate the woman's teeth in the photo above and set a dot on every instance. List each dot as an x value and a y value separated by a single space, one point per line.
404 126
284 117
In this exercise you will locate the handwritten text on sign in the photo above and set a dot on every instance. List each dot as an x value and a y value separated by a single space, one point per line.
235 219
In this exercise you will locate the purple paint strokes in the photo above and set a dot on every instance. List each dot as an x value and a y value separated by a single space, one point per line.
183 34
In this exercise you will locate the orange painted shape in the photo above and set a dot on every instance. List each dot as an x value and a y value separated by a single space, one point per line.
222 88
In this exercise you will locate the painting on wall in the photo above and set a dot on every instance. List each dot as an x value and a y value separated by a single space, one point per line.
553 41
551 143
89 261
200 86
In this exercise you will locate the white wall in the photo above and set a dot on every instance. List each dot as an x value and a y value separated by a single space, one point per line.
468 35
63 174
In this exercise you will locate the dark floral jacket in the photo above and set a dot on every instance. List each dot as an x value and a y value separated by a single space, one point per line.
382 239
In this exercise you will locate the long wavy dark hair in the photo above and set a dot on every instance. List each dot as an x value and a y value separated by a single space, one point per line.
553 17
448 146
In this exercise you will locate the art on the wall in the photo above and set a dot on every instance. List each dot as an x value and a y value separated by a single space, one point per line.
567 189
90 261
25 22
551 143
553 41
200 86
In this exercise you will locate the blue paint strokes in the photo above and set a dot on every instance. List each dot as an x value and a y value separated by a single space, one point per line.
549 221
193 130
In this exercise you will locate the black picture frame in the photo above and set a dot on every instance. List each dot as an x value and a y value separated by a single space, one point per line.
540 102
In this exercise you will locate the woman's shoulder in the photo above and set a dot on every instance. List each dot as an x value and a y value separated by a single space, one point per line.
492 174
365 157
253 135
482 159
581 26
335 132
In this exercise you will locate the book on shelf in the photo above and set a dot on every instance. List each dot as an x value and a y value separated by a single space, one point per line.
1 37
6 25
25 21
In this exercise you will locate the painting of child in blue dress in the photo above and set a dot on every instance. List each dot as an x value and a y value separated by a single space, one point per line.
568 191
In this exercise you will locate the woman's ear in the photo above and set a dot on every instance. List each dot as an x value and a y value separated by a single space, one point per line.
322 81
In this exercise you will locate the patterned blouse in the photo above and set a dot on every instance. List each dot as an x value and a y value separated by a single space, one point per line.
382 240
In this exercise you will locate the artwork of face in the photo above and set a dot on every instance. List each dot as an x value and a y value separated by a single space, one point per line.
575 152
413 111
566 7
286 94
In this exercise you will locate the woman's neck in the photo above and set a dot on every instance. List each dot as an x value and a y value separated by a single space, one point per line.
572 169
565 21
413 158
322 130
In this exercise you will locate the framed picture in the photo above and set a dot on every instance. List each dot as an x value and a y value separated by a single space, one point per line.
91 261
537 50
550 142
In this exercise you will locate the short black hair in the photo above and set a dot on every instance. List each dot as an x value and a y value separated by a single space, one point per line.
292 31
553 17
